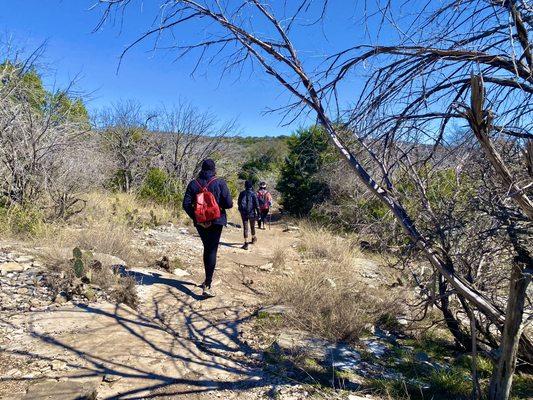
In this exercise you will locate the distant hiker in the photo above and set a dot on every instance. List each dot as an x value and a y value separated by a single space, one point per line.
249 209
206 200
265 202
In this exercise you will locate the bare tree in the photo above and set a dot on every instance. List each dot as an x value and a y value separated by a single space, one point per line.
410 99
186 136
35 126
124 133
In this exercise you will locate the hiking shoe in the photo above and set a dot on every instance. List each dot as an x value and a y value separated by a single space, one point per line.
254 240
245 246
202 286
208 293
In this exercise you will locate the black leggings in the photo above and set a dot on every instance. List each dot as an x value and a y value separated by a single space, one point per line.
210 239
263 217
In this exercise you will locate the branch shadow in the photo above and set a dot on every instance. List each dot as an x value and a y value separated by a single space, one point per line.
202 339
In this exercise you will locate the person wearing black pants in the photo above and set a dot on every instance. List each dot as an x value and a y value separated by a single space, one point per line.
210 239
211 231
249 209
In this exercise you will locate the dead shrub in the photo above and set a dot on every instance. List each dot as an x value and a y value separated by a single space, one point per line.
126 292
279 257
325 300
109 237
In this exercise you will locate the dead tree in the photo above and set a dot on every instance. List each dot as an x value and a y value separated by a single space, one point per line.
124 135
403 99
185 136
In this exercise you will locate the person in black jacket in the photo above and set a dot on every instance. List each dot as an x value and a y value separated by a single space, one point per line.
249 209
209 232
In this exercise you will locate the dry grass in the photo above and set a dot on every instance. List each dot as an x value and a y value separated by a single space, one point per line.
325 295
320 243
279 257
126 208
105 226
326 300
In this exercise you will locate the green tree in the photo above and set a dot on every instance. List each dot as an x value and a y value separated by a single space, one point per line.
159 187
299 184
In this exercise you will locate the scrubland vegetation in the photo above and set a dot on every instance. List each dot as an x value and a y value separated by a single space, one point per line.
429 168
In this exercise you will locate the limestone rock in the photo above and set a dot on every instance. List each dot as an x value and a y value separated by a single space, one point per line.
273 310
12 266
180 272
63 390
110 378
268 267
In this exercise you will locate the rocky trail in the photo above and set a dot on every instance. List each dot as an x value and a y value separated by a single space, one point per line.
175 345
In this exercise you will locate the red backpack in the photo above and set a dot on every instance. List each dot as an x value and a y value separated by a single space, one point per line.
264 199
206 208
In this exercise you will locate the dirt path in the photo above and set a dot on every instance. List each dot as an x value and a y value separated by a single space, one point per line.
176 345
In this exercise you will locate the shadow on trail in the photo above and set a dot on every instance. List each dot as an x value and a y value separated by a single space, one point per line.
236 245
202 341
154 278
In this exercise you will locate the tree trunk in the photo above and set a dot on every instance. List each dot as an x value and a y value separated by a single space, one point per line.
502 377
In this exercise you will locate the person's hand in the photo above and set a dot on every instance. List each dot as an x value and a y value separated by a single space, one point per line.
205 224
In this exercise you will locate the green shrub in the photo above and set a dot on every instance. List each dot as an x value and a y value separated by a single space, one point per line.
21 221
299 184
160 188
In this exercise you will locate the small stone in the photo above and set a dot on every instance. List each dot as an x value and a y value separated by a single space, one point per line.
266 267
111 378
24 259
23 290
61 298
58 365
331 283
180 272
422 357
8 267
273 310
291 228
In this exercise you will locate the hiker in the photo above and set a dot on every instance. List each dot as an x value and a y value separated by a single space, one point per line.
206 200
265 202
249 209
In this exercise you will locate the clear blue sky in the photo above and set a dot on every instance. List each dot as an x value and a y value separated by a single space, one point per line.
151 78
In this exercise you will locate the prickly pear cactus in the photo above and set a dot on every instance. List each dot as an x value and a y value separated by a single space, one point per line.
78 267
76 252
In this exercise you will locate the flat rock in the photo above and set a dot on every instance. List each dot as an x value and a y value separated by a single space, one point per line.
273 310
110 378
357 397
63 390
24 259
11 267
180 272
291 228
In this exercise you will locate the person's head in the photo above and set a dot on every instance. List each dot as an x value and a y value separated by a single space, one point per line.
263 185
208 165
248 184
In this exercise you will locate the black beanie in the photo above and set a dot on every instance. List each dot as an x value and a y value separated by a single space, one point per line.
208 165
248 184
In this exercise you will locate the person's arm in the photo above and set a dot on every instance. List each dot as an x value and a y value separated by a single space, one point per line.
269 199
226 201
188 201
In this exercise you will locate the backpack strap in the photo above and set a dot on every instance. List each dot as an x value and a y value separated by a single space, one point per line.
202 188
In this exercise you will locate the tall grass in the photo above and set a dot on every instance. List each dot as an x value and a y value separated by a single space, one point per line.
324 294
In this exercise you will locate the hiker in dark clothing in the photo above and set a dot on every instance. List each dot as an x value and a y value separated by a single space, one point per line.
249 209
210 231
265 202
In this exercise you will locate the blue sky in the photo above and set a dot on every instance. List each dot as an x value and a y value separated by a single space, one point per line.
154 79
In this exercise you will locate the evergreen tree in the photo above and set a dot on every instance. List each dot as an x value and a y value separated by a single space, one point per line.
299 184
